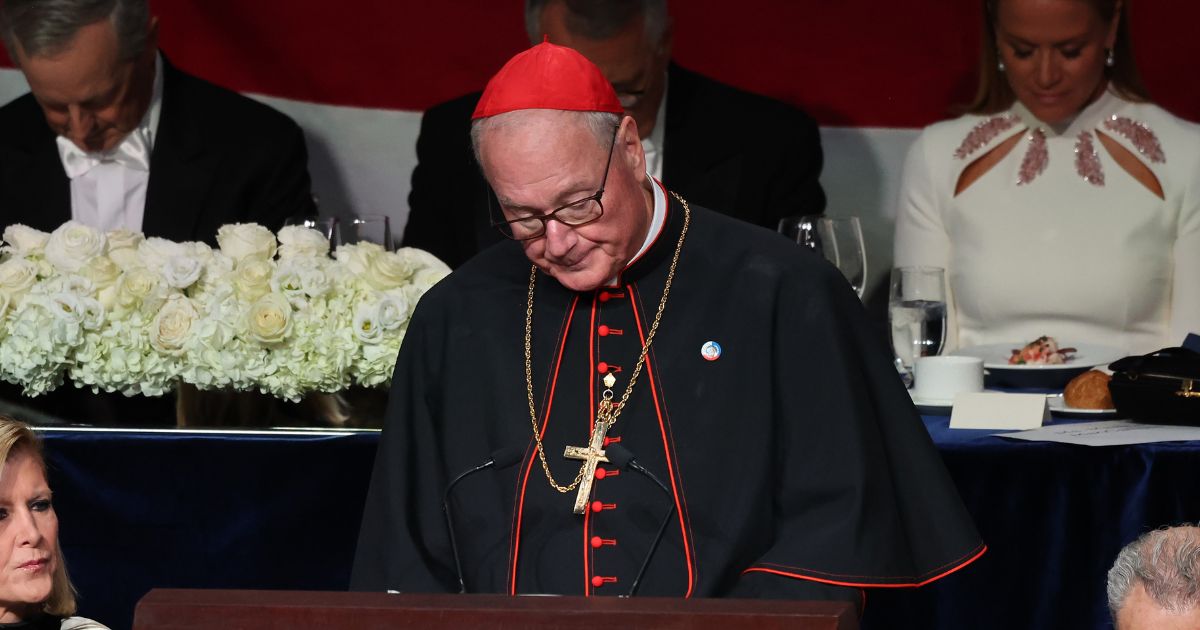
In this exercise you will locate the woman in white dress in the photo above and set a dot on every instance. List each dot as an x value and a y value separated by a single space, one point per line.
35 592
1066 204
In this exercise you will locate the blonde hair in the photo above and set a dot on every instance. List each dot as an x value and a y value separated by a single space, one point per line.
17 437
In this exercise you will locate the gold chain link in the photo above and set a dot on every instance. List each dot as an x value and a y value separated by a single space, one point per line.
608 414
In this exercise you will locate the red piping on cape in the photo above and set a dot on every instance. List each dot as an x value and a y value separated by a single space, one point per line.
687 544
591 389
516 549
956 567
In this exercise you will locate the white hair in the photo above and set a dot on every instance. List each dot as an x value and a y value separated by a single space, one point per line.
601 124
1166 562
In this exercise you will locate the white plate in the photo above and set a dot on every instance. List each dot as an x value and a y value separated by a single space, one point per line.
1000 373
1058 406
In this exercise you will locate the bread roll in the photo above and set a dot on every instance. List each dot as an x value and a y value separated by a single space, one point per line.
1089 391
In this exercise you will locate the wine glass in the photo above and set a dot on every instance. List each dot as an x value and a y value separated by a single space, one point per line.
371 228
841 241
327 226
802 230
917 313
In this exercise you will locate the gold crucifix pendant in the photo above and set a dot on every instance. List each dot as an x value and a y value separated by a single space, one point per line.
591 455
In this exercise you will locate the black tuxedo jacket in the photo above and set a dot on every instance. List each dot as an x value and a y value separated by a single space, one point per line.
745 155
218 158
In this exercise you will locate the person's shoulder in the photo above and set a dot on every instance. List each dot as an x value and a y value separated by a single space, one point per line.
227 107
710 95
19 118
753 252
491 272
81 623
459 108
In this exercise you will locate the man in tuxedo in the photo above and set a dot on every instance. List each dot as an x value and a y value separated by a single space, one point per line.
113 136
762 169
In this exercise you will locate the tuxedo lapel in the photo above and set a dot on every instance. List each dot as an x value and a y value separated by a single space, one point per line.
182 167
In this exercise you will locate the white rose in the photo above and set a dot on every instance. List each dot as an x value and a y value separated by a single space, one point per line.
356 257
296 240
17 275
246 240
102 271
173 325
25 240
92 312
388 271
421 258
140 287
154 252
270 319
123 239
393 311
252 278
73 245
182 271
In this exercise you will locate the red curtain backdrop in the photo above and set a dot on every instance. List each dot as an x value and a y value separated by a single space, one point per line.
849 62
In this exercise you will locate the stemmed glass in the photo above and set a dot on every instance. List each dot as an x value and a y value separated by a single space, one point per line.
839 240
372 228
802 230
842 244
917 313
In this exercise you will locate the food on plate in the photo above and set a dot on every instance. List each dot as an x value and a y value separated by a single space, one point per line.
1089 391
1041 351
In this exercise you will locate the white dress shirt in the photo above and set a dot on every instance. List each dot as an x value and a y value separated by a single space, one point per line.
108 189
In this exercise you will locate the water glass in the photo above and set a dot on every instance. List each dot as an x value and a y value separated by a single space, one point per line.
371 228
842 244
802 230
917 314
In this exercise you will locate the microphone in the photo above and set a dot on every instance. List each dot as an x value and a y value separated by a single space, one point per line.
622 458
500 459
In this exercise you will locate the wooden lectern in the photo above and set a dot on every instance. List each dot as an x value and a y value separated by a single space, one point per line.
179 609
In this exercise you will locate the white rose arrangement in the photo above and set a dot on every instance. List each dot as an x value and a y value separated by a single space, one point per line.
118 311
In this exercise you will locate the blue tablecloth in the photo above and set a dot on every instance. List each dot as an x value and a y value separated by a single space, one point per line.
140 510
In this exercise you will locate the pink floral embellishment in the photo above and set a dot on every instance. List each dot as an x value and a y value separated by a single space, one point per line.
1140 135
984 133
1036 158
1087 161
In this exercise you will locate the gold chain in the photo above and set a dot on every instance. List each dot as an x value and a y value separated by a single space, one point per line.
607 413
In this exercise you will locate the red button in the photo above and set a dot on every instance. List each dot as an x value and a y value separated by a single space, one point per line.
601 473
597 542
602 330
602 367
604 297
597 506
597 581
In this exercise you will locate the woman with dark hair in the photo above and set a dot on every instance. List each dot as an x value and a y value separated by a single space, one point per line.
1065 203
35 592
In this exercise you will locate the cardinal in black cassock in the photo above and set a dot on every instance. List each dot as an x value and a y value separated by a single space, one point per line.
792 462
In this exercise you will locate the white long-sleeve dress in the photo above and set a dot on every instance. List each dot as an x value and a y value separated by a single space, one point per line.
1057 238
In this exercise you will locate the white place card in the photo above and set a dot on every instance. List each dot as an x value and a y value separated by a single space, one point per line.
999 411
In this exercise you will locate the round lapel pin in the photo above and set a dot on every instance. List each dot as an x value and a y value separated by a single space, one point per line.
711 351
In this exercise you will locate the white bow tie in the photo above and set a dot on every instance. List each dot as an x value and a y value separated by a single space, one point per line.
133 152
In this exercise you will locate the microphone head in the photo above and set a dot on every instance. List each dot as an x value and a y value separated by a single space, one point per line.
507 456
618 455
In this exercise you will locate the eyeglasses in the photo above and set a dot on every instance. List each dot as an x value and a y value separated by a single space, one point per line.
574 214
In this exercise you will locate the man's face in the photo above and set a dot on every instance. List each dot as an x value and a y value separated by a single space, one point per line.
1140 612
545 159
88 93
635 66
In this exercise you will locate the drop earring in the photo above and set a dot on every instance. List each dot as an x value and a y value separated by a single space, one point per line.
1111 59
1000 64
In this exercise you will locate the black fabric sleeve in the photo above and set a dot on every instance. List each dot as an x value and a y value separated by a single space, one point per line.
285 189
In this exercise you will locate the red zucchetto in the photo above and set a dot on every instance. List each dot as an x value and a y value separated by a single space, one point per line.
548 77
